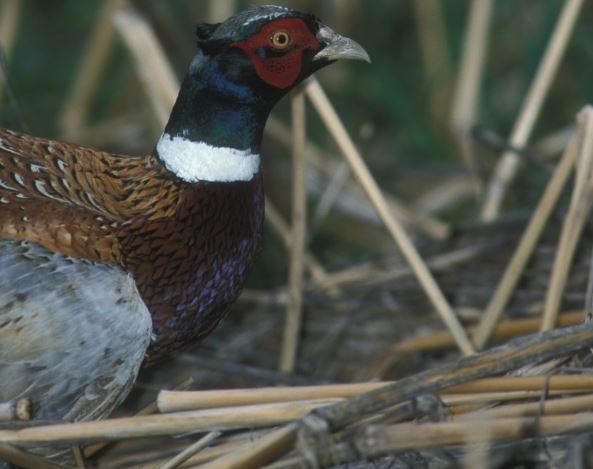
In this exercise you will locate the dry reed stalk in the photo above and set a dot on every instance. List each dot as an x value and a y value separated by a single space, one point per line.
26 460
75 113
508 165
322 162
506 329
215 452
175 401
463 403
220 10
523 351
351 275
294 311
330 195
563 405
434 46
345 12
572 228
518 262
282 230
382 440
444 195
263 297
10 14
191 451
377 441
525 383
259 453
465 101
78 457
514 355
477 446
143 453
152 65
124 127
149 409
552 144
428 225
225 446
366 272
160 425
415 436
340 135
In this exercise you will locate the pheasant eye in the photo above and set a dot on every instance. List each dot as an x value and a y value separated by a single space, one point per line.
280 40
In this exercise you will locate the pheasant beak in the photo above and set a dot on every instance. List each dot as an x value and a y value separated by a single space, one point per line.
339 47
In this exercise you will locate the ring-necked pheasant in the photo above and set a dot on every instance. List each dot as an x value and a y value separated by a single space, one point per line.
105 258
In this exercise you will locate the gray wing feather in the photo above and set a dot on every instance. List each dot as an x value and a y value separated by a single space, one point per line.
73 333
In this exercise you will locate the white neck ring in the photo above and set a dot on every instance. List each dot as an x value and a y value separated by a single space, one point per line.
199 161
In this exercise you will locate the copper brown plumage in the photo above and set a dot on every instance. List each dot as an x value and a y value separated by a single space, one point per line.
72 199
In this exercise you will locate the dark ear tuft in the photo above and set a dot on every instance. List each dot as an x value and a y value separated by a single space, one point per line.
204 31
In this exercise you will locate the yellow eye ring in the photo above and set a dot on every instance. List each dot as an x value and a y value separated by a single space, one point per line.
280 40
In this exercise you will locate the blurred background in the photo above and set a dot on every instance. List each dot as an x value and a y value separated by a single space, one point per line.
75 72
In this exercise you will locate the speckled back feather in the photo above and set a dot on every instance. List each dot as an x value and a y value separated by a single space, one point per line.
95 347
70 198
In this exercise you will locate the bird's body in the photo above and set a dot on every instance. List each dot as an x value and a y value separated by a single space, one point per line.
105 258
188 246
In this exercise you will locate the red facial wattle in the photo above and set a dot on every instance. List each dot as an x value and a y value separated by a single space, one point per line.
280 71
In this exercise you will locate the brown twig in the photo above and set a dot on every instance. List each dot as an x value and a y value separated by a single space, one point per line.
259 453
299 233
463 403
324 164
337 130
10 14
442 339
564 405
465 101
377 441
75 113
365 273
151 408
572 228
509 163
281 228
152 65
526 245
520 352
160 425
176 401
331 194
445 195
535 348
524 383
191 451
26 460
436 58
220 10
